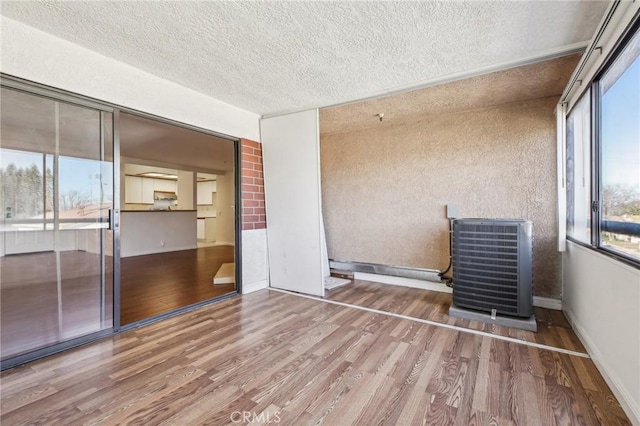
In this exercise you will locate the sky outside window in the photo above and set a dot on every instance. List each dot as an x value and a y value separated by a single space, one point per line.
621 130
620 149
91 180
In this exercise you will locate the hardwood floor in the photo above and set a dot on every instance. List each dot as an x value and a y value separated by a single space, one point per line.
553 327
35 313
158 283
302 361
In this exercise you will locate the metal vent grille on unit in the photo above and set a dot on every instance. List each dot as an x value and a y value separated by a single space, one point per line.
492 266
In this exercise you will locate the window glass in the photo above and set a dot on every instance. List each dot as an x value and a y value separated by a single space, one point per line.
56 251
620 152
23 184
579 170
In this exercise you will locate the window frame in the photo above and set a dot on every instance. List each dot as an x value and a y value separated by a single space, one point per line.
596 152
590 146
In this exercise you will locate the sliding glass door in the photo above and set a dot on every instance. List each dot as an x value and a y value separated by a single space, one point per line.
56 236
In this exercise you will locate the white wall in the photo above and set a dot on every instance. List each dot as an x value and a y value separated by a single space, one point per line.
601 298
291 161
35 55
255 263
144 232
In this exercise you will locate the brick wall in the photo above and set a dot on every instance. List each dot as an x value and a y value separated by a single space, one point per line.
253 211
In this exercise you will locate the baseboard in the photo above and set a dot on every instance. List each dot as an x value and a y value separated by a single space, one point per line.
251 287
630 408
405 282
542 302
547 302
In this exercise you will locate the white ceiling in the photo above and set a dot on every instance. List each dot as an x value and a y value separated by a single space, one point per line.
269 57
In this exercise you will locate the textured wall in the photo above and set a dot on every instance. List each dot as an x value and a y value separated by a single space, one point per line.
384 190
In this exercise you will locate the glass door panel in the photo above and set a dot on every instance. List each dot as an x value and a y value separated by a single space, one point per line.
56 248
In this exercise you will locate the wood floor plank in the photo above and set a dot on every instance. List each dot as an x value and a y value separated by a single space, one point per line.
379 389
347 407
142 402
306 362
438 412
281 384
553 327
197 410
63 402
148 381
528 407
316 389
480 397
179 279
464 403
27 396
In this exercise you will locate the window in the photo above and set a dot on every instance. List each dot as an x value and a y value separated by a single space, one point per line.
25 184
603 166
579 170
619 107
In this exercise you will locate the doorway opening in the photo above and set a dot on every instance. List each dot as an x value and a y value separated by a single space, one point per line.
177 234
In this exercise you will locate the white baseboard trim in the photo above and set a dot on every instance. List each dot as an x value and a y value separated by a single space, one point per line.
542 302
405 282
547 302
629 406
251 287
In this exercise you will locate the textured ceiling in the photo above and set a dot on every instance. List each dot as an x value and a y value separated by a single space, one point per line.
533 81
269 57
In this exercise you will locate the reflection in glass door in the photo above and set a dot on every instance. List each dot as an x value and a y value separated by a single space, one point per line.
56 245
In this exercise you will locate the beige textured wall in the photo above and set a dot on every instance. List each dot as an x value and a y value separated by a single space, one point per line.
385 189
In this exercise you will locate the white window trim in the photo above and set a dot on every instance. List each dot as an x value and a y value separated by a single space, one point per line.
619 16
561 116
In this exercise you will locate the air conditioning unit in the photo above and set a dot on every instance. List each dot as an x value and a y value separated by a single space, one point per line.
492 266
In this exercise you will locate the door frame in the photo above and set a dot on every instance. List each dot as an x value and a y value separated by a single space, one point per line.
237 179
33 88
